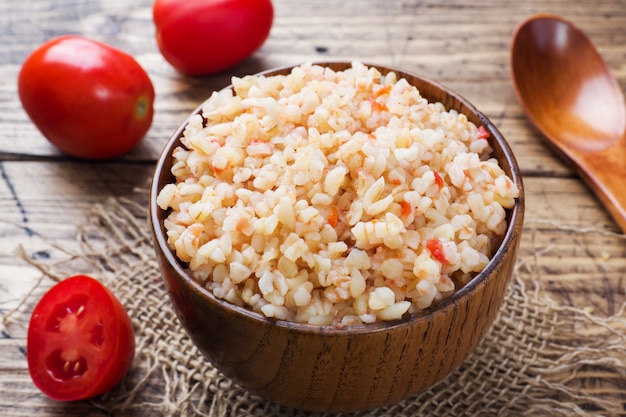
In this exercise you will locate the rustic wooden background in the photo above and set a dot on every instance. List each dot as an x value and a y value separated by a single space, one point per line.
463 44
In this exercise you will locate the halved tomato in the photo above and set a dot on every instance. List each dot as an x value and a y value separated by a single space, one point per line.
80 340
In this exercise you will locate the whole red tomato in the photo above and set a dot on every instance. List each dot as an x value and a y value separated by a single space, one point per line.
87 98
80 340
202 37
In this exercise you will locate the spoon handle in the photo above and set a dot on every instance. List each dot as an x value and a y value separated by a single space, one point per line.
604 171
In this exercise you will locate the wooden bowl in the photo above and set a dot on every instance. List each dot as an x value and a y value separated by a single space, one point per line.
353 368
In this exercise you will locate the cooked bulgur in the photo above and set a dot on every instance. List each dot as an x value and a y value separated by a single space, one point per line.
333 197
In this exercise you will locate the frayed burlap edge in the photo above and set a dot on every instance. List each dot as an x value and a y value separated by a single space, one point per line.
531 362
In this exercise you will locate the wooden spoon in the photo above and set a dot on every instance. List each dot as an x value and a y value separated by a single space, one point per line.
570 95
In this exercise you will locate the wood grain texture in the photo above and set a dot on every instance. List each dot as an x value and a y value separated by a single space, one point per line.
572 97
463 44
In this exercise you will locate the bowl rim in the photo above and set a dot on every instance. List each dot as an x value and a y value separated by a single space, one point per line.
511 237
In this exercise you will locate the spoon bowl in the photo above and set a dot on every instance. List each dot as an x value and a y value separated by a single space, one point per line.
570 95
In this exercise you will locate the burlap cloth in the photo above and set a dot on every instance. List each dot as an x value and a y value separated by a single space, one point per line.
538 359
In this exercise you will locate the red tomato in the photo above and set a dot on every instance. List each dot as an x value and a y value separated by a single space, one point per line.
438 180
80 340
202 37
333 216
435 248
87 98
406 207
483 133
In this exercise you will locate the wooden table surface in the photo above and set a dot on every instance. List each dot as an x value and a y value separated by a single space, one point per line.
463 44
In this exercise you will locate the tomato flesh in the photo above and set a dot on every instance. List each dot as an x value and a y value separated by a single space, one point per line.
90 100
438 180
435 247
80 340
203 37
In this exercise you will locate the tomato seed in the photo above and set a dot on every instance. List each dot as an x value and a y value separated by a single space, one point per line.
63 369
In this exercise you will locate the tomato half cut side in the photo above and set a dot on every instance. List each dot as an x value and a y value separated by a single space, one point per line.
80 340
